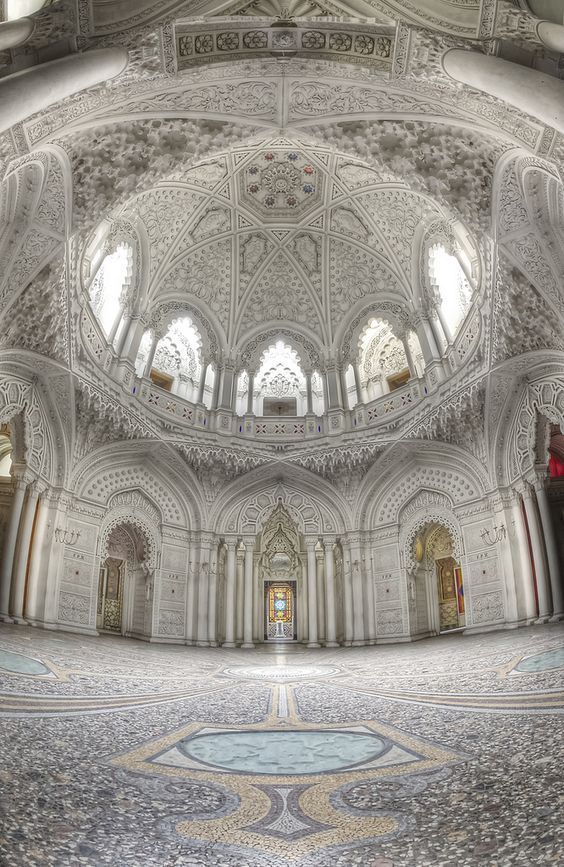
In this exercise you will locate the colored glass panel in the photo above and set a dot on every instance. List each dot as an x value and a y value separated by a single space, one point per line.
280 604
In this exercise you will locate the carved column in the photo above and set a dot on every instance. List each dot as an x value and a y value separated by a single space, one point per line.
333 391
212 600
10 539
151 355
357 385
358 602
191 594
250 394
370 605
320 572
21 559
215 391
226 386
330 602
203 592
408 355
541 573
37 579
311 593
131 337
309 394
344 388
248 609
348 597
202 383
115 325
551 551
240 594
525 565
230 601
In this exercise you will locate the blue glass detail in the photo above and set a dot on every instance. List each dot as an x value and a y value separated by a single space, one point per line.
284 752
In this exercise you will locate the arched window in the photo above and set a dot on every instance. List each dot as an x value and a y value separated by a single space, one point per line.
280 384
177 365
5 453
449 280
383 363
107 287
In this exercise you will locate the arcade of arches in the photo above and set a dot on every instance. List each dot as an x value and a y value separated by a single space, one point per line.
282 318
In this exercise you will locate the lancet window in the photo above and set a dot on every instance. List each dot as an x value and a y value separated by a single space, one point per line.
108 289
449 281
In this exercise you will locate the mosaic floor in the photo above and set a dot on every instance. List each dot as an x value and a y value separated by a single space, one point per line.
445 752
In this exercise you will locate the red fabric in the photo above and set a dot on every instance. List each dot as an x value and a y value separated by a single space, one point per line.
555 467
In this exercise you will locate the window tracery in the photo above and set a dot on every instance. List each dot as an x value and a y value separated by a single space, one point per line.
280 377
383 362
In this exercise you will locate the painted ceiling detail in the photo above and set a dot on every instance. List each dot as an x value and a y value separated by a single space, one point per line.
277 185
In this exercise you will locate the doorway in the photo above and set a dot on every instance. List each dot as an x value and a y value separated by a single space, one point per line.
110 595
280 611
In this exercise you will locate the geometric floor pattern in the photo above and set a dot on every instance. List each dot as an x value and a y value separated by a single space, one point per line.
448 751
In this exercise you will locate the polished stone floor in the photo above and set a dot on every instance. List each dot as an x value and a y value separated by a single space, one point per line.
444 752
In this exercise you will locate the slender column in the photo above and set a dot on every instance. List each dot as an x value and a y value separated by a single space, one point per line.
311 594
426 339
212 602
115 326
36 564
239 594
33 90
230 602
14 33
124 333
330 609
358 603
202 383
348 600
191 596
10 540
526 89
344 389
250 394
535 533
151 356
370 606
309 394
226 393
203 594
525 566
444 324
357 385
22 553
551 551
248 610
320 583
215 392
408 356
332 382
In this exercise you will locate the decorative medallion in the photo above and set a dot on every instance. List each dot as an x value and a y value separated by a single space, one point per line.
281 183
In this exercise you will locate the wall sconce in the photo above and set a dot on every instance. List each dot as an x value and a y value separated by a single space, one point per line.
67 537
492 537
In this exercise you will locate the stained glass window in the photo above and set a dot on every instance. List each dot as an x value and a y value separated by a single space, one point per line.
280 605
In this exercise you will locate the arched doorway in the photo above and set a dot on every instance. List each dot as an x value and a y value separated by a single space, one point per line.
281 586
438 582
123 583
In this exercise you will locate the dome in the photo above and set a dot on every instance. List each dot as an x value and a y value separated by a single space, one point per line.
280 275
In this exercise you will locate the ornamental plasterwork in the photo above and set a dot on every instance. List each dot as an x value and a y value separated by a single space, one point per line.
201 43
